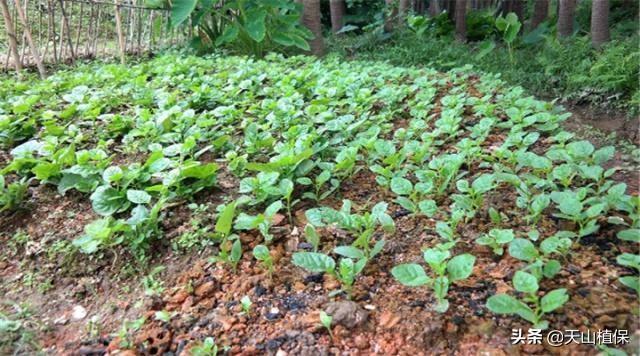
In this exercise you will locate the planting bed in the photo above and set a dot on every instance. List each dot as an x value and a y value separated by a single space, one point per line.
187 204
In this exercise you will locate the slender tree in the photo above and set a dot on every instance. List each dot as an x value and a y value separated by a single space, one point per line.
311 19
461 17
403 9
337 9
540 13
565 17
599 22
434 8
13 44
391 13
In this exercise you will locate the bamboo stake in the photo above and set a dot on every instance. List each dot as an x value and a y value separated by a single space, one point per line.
79 28
139 34
32 46
119 30
97 32
67 30
13 44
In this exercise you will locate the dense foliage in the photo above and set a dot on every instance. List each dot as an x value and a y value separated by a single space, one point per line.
138 140
533 58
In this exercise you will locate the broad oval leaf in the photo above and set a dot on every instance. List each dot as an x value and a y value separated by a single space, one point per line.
410 274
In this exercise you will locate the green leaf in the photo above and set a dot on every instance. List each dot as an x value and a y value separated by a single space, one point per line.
632 235
629 260
181 10
138 196
107 201
349 251
312 236
632 282
551 268
229 35
112 174
236 250
300 42
401 186
523 250
525 282
502 236
506 304
406 203
314 262
225 220
410 274
435 257
428 207
460 267
554 300
255 24
261 252
580 149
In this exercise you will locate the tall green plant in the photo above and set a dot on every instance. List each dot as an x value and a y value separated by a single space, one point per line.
248 26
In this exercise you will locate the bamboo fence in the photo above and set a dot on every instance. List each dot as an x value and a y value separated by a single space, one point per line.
41 33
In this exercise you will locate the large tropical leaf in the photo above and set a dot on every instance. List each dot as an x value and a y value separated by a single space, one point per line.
181 10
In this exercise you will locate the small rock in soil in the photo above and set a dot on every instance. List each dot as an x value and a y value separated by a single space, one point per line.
78 313
347 313
273 314
314 278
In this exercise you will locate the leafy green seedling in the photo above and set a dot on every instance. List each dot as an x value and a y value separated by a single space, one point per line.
576 207
262 222
509 26
346 272
445 273
286 188
263 186
541 263
361 226
312 236
326 320
318 184
447 229
528 284
12 195
496 239
164 316
206 348
630 260
261 253
472 198
411 197
246 305
497 217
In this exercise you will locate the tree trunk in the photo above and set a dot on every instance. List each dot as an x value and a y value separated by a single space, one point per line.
403 10
517 7
391 12
13 44
451 9
337 9
565 18
599 22
32 46
461 25
434 8
311 20
540 13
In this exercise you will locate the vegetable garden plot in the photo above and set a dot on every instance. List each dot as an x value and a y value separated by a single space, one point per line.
420 211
